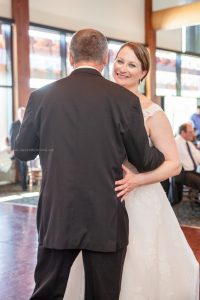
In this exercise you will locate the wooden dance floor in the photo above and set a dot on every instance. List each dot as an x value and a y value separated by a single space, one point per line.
18 245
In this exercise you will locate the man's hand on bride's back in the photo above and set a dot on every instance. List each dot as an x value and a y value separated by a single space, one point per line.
127 184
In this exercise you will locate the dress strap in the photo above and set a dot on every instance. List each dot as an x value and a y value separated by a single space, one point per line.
151 110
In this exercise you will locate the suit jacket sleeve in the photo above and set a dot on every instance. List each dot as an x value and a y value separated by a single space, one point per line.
27 142
139 152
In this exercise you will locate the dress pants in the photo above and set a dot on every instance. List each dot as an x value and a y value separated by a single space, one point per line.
165 184
103 273
23 171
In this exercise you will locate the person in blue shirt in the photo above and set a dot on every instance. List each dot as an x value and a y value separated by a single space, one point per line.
196 121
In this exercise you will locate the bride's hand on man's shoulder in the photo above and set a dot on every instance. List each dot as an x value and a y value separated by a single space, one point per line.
127 184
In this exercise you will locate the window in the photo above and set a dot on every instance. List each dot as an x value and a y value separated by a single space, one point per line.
68 40
5 115
191 38
166 77
45 58
5 83
5 55
190 76
113 48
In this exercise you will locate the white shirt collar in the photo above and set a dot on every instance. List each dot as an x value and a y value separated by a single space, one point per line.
86 67
179 137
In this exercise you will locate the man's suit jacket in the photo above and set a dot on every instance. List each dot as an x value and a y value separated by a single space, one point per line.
83 128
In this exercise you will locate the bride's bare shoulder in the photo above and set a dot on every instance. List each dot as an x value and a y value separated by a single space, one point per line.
145 102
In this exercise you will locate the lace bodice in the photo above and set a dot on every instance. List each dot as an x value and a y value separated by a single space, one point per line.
151 110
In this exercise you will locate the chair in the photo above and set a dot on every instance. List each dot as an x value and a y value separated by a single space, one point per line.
34 172
178 191
191 194
34 176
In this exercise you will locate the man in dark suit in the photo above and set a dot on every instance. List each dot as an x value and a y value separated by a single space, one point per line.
83 128
21 166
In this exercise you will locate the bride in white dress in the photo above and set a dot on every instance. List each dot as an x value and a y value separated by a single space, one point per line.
159 263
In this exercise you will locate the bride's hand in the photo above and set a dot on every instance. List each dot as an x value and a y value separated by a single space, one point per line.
127 184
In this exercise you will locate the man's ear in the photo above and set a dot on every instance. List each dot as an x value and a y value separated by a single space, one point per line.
105 59
71 59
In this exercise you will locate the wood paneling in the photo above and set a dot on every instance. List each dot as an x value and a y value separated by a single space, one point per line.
20 14
150 40
176 17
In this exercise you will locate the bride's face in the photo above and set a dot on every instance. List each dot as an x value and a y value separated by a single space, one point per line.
127 70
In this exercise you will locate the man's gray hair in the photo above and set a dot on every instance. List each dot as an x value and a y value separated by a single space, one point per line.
88 45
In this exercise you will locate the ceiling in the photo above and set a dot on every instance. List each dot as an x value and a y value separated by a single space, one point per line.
162 4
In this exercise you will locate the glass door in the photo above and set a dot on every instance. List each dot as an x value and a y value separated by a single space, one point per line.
179 110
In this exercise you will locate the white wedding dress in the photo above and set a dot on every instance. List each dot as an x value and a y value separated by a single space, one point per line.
159 263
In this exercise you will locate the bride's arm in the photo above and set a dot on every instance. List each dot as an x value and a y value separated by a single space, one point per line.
162 137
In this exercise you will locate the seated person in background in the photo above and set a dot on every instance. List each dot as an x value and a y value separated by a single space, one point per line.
21 166
189 156
195 118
